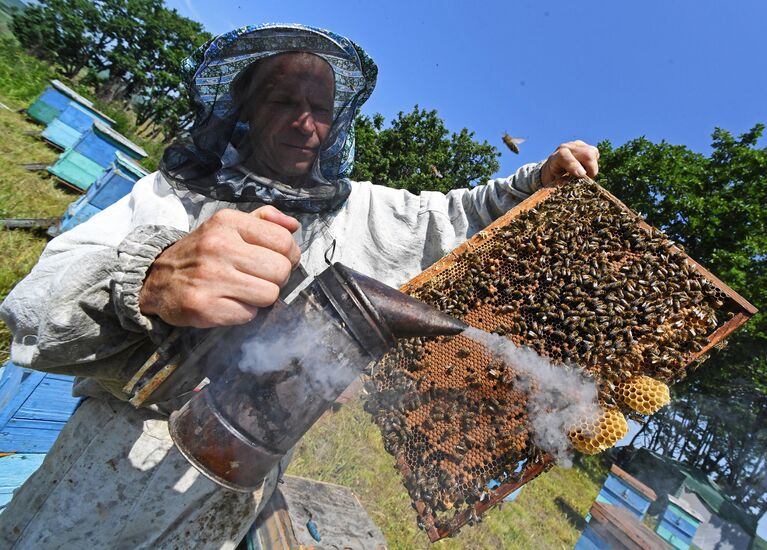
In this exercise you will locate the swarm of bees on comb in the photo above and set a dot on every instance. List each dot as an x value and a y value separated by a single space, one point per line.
579 279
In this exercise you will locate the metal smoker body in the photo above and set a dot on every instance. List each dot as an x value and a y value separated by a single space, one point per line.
258 405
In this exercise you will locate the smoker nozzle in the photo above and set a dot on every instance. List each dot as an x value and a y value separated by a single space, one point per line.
402 316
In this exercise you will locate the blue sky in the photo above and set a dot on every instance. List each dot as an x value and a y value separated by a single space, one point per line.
548 71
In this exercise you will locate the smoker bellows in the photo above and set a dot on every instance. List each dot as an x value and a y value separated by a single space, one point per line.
578 277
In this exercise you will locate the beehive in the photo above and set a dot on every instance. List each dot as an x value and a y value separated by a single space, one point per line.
576 276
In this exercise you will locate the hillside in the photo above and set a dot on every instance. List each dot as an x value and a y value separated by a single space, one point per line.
6 9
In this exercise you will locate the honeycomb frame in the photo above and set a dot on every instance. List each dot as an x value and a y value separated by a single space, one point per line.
536 460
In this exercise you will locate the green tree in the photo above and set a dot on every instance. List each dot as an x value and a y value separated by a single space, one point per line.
146 46
132 50
418 153
165 106
60 31
715 207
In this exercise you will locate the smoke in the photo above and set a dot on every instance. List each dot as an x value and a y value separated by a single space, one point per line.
310 345
275 377
557 395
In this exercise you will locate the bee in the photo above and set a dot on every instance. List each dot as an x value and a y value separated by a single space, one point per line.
435 172
512 143
472 381
447 434
469 422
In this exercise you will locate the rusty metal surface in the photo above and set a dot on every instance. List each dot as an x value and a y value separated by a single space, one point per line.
435 392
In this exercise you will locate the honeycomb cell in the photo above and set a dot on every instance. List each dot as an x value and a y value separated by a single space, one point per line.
644 394
592 436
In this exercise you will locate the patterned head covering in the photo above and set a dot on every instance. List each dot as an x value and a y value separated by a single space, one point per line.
210 162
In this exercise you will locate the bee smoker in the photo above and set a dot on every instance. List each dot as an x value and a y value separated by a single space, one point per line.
273 378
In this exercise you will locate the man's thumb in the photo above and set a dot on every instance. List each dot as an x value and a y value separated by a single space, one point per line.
271 214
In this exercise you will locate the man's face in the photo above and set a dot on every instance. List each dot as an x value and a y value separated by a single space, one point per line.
291 114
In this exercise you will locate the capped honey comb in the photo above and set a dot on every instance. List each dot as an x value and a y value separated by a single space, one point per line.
579 278
592 436
643 394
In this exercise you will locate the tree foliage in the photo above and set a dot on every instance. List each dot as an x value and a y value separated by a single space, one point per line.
131 51
58 31
715 207
403 154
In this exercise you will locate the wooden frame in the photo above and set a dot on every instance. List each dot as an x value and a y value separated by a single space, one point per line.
740 307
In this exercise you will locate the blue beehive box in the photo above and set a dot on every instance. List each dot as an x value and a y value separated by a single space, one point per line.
64 130
613 527
678 524
34 406
93 153
57 97
623 490
113 185
511 497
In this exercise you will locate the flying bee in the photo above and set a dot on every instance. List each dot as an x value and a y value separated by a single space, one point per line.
512 143
435 172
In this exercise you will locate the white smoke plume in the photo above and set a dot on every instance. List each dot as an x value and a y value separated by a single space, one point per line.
315 342
557 395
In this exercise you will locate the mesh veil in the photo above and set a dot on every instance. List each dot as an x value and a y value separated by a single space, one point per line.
210 161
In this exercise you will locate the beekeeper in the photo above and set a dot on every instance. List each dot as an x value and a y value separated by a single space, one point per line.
261 185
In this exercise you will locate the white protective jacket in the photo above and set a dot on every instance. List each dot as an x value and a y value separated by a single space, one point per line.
113 479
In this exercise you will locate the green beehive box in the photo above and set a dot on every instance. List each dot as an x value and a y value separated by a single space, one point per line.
76 170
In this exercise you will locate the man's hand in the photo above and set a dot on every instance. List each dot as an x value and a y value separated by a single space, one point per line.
224 271
574 158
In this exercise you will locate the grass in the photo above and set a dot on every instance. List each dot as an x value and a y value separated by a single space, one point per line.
26 194
23 194
22 77
346 448
343 447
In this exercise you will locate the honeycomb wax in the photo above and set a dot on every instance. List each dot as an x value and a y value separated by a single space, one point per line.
592 436
644 394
